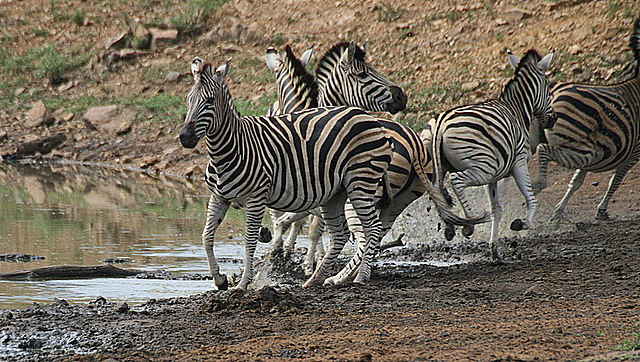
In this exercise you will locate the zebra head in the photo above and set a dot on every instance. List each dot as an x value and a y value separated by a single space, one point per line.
346 79
531 69
297 88
203 100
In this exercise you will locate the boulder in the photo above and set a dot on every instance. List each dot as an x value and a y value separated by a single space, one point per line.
39 115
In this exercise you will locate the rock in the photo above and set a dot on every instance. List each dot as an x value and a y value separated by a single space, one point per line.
19 91
121 308
469 86
161 37
117 42
112 119
142 36
574 49
39 115
610 33
42 146
148 161
100 115
173 77
514 15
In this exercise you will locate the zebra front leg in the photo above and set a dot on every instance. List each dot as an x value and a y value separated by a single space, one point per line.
255 211
496 216
336 222
520 173
614 183
544 157
216 210
576 182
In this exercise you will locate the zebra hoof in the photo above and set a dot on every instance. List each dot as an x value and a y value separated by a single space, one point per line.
449 232
224 285
517 225
602 215
467 230
264 235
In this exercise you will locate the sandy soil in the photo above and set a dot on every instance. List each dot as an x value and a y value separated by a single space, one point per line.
563 294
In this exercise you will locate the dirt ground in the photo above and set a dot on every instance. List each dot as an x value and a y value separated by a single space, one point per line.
567 293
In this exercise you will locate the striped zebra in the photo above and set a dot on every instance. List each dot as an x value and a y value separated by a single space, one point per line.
407 178
597 130
295 162
481 144
297 89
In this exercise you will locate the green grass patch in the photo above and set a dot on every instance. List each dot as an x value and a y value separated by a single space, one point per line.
259 107
629 345
194 12
46 62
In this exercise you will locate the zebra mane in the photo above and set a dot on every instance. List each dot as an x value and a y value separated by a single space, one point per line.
331 58
299 74
531 58
634 43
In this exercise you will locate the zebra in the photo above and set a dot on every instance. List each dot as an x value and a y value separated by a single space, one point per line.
297 90
597 131
482 143
407 179
295 162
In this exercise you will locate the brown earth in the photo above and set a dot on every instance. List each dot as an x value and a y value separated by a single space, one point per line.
565 293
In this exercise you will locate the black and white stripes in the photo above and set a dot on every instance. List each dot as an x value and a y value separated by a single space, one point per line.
295 162
481 144
597 130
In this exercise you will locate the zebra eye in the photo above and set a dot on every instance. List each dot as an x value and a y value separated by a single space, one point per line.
363 75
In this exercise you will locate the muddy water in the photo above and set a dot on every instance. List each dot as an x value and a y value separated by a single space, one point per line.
78 215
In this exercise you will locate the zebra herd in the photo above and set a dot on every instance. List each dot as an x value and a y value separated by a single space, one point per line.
319 152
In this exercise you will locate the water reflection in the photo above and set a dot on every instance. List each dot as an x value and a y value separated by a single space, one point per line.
78 215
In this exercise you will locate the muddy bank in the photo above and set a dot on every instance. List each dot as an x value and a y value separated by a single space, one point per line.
568 296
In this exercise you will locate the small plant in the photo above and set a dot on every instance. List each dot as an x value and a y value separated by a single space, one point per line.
278 39
195 12
388 13
40 32
629 345
78 17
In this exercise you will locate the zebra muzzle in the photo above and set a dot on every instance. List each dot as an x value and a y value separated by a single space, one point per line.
398 102
188 137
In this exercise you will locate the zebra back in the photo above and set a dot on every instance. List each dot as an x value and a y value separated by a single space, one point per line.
599 125
344 77
297 161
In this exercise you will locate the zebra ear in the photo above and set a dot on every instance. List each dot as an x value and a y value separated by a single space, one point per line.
222 71
546 61
514 60
273 59
306 56
196 68
348 56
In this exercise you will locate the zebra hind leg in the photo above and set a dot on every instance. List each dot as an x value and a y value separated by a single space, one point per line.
336 222
576 182
315 252
614 183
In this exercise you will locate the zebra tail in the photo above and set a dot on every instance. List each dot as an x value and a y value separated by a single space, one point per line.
436 190
387 196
